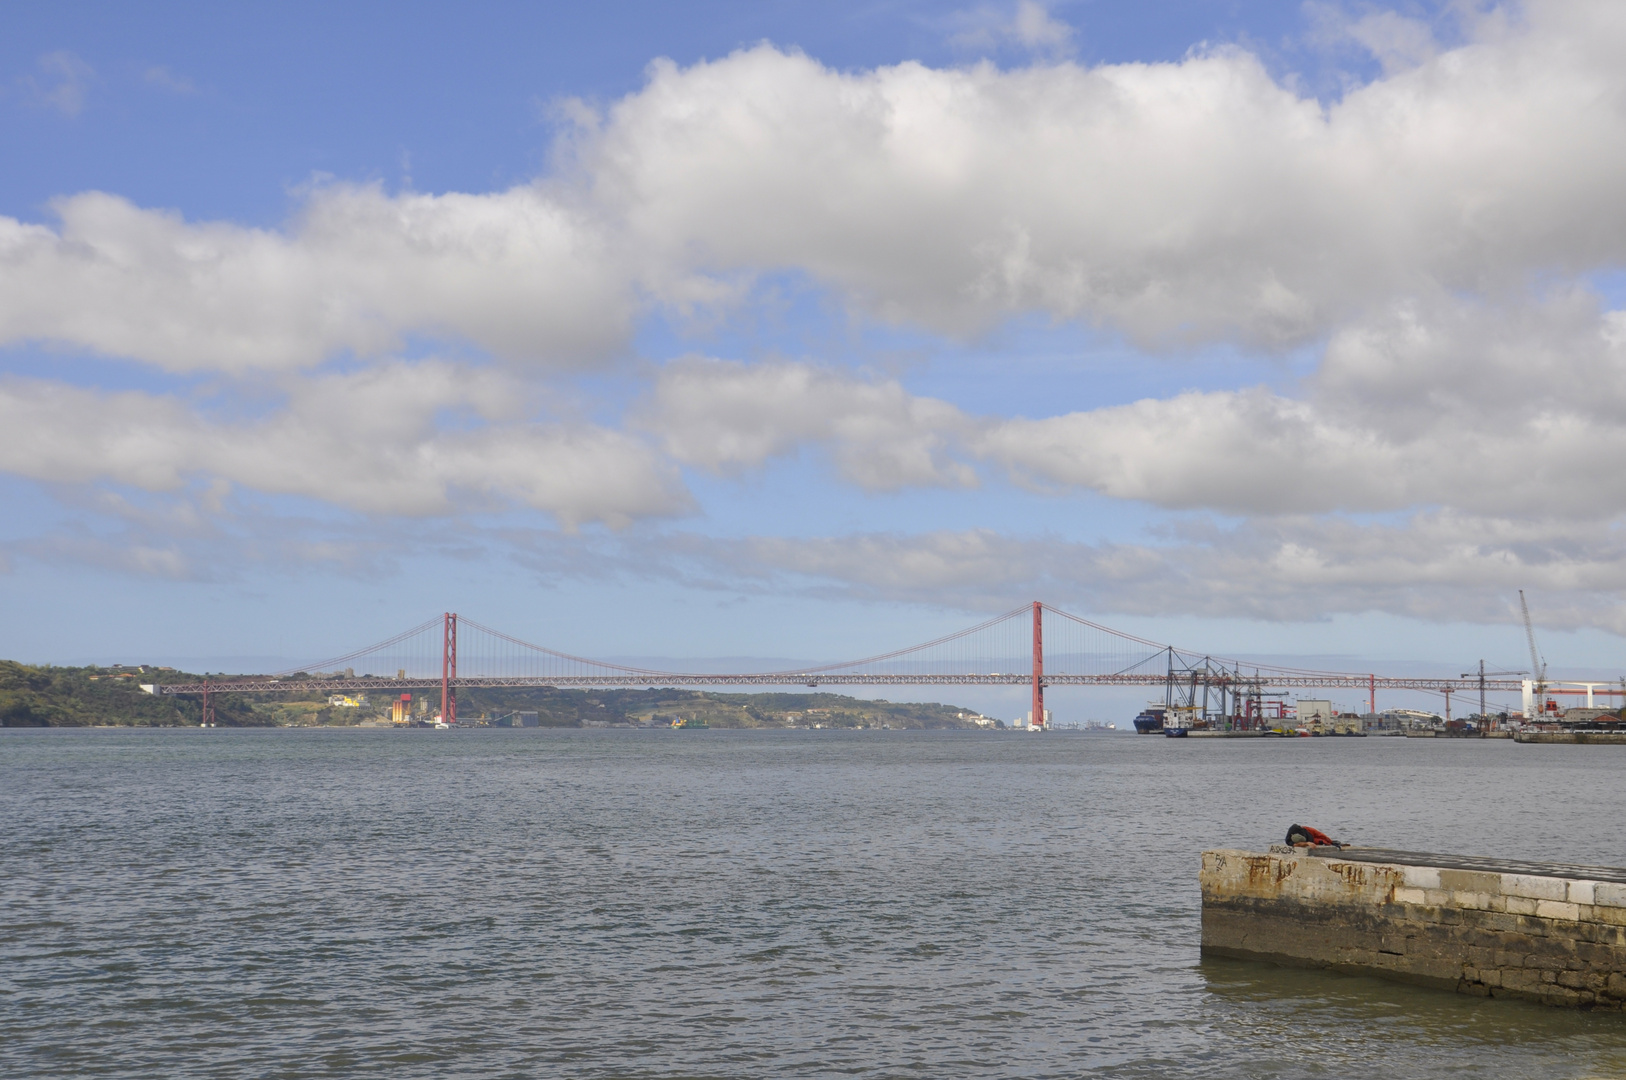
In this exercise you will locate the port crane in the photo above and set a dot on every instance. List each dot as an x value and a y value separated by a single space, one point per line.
1538 666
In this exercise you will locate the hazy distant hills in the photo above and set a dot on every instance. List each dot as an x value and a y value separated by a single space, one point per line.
44 696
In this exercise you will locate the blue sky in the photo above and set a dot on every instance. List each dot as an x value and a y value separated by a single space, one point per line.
808 330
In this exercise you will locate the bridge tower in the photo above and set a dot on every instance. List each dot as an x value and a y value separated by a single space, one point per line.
1036 721
448 669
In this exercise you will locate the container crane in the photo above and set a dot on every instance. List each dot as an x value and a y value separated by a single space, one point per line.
1538 666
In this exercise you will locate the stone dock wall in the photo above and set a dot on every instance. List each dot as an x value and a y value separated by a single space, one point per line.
1557 940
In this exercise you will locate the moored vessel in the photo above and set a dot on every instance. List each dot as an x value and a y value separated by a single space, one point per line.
1150 721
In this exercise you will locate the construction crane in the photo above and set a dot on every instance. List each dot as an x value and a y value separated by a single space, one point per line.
1538 666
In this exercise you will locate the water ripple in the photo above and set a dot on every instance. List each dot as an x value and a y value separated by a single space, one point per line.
686 904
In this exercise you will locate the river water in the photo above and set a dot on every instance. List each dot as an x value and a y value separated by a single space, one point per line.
491 903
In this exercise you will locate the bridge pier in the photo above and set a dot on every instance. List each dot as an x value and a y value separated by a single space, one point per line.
1036 719
448 669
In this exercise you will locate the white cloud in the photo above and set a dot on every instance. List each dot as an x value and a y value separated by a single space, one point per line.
1179 202
1034 27
1027 23
1397 42
1399 228
209 534
517 272
1497 409
368 442
63 82
122 555
1247 451
727 416
1434 566
1507 408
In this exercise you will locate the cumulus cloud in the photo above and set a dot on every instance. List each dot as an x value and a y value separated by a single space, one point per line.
727 416
1224 450
1177 202
1398 230
1189 201
1516 408
517 272
1491 408
368 442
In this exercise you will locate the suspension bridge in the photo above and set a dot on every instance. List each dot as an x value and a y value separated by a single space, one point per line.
1036 645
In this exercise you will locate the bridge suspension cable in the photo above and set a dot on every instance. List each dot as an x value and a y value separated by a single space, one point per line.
1036 644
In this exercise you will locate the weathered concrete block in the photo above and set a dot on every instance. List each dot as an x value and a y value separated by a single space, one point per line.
1498 923
1472 931
1545 961
1531 926
1608 916
1470 881
1521 979
1557 909
1421 877
1536 888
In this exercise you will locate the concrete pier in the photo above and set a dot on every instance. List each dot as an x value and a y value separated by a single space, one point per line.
1548 932
1585 738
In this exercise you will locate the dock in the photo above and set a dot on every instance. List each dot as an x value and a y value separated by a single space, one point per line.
1584 738
1548 932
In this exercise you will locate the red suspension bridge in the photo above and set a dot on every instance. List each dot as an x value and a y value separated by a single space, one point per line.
1036 645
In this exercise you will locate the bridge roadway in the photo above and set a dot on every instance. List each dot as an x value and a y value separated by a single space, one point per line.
817 679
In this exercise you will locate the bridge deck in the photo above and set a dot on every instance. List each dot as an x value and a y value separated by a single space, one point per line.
815 679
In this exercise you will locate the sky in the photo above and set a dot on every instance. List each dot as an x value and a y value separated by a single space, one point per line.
797 330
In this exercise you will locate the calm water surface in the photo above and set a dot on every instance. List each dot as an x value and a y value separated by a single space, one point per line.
732 904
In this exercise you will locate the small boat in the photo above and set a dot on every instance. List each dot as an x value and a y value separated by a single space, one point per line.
692 723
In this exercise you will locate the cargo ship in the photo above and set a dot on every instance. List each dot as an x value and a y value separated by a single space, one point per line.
690 723
1150 721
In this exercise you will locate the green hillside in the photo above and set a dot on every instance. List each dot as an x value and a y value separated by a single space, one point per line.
49 696
32 696
577 707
